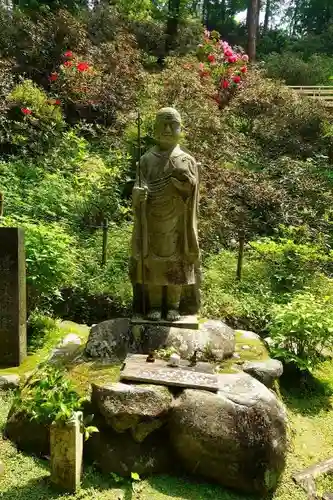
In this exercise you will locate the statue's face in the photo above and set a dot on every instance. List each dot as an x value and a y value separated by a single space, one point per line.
167 131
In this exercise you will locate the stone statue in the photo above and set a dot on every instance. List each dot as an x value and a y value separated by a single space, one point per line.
165 248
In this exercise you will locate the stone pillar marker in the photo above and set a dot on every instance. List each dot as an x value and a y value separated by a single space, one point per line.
66 443
13 309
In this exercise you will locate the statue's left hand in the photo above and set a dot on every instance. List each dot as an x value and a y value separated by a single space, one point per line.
182 186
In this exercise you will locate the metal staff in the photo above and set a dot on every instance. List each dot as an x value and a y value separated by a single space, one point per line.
143 297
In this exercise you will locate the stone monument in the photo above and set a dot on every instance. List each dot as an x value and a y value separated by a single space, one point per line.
12 296
165 261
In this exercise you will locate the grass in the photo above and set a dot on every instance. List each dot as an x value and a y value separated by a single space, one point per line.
310 410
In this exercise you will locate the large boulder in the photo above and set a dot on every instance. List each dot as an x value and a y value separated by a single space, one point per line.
266 371
213 340
110 340
236 437
28 435
119 453
138 408
115 338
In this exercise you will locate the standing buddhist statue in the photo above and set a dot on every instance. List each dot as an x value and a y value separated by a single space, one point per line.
165 249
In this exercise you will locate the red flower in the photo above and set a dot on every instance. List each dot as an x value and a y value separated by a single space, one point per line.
26 111
57 102
53 77
211 58
224 84
68 64
204 73
237 79
83 66
232 59
68 54
228 53
243 69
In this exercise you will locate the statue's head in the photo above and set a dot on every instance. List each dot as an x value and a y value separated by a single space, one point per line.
167 127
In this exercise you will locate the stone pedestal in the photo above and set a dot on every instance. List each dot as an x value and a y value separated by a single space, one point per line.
12 297
66 443
188 321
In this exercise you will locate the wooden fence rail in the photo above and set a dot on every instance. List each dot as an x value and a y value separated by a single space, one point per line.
323 92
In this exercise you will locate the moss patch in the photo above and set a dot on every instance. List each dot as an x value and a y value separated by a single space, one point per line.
255 351
84 374
62 328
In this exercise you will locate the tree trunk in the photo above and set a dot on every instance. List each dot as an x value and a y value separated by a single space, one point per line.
267 16
171 28
252 17
258 18
223 11
295 17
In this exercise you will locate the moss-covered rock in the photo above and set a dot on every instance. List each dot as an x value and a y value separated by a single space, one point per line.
237 437
139 408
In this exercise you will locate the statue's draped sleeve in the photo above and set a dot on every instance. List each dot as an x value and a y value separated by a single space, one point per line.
191 214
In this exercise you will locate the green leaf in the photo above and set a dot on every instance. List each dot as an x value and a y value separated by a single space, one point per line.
135 476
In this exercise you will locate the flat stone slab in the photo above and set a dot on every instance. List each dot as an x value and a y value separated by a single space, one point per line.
140 361
138 370
190 322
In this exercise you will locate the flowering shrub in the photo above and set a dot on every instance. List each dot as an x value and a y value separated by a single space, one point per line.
75 80
96 86
226 66
33 121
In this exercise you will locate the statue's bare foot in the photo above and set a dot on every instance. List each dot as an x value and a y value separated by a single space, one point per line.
173 315
154 315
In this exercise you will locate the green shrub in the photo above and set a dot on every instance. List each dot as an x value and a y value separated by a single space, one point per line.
51 257
40 329
34 123
244 304
113 279
301 330
293 69
291 266
49 396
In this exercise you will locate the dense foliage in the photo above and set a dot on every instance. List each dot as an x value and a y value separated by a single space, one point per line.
68 147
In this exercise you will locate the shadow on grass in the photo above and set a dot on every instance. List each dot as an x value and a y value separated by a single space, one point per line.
42 488
170 486
304 393
190 489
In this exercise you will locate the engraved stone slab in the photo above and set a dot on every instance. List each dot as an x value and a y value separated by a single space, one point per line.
138 370
139 360
190 322
13 337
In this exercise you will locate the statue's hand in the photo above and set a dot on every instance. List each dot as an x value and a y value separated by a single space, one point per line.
140 194
182 186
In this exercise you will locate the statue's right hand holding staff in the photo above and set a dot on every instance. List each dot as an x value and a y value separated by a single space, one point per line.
140 195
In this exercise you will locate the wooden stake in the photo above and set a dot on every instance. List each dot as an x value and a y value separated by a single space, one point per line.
240 255
105 241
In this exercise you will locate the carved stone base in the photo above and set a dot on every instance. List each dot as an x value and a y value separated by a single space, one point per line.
190 322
